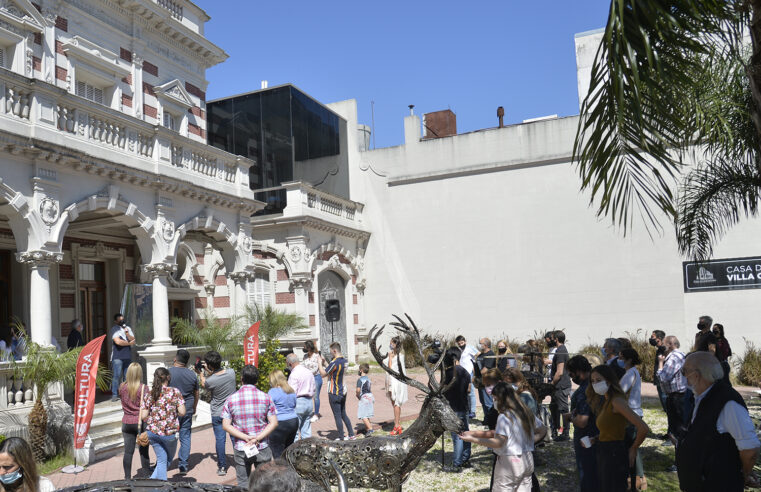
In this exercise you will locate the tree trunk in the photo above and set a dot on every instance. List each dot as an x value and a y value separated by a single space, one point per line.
754 68
38 424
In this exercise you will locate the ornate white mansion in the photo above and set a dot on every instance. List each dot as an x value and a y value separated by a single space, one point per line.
118 183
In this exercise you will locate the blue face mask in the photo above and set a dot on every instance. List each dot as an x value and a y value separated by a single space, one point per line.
604 354
11 477
621 363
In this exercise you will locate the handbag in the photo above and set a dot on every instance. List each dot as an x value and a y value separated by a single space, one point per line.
142 438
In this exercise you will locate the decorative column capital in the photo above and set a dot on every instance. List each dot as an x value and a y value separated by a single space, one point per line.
39 258
160 269
300 285
361 284
241 277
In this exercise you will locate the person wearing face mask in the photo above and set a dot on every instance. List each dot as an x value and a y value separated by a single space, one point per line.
485 361
503 360
631 383
705 340
673 384
18 470
467 357
583 425
656 340
610 350
517 380
612 413
562 383
720 447
457 396
723 350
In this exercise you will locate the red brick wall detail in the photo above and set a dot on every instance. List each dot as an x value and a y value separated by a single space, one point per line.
353 279
282 274
356 319
197 280
220 280
311 298
196 130
200 302
285 298
195 91
354 298
127 79
126 100
65 329
150 68
62 23
129 276
65 272
263 255
222 302
59 47
38 38
149 111
311 320
37 64
148 89
125 54
67 300
60 73
196 111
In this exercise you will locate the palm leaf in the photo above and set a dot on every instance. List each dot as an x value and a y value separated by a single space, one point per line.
223 336
275 323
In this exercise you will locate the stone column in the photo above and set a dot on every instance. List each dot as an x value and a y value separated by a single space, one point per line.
40 314
240 295
159 273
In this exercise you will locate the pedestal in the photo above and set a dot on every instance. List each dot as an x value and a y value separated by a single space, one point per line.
157 356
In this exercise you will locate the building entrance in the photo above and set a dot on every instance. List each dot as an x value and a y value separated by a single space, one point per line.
92 303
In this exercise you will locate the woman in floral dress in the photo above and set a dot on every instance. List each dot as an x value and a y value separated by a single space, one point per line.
161 409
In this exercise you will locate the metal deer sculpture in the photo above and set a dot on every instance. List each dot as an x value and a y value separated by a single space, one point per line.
382 462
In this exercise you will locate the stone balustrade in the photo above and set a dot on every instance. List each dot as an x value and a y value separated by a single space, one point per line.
303 199
52 114
15 392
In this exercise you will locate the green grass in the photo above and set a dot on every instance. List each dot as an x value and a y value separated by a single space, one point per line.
55 463
556 469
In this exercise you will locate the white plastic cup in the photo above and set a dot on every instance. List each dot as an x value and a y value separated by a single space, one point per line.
586 442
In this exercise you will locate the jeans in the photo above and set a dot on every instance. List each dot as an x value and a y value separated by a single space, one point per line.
586 464
118 374
661 394
164 447
461 448
243 464
338 405
317 389
559 406
185 423
219 436
283 436
486 402
129 434
304 413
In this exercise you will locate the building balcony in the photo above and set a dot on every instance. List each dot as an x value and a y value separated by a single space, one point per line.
92 137
306 203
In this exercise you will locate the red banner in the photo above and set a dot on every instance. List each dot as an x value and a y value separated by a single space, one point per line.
84 400
251 345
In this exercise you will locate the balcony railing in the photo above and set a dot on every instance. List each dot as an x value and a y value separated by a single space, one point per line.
14 393
51 114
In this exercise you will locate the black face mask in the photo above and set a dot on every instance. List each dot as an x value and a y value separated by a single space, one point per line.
653 342
502 350
552 343
576 380
700 327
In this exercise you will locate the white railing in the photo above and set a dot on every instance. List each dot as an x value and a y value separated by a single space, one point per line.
14 393
174 8
112 135
303 199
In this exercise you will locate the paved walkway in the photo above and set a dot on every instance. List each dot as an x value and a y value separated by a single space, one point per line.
203 464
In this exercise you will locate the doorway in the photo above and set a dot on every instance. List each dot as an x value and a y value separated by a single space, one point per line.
92 303
331 287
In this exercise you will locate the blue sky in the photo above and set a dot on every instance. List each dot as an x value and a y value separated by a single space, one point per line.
470 57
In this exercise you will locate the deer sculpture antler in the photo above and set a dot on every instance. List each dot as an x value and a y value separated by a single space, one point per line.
381 462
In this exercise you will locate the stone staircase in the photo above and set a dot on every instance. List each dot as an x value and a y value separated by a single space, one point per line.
105 434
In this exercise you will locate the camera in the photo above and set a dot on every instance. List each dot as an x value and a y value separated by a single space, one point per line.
436 352
198 365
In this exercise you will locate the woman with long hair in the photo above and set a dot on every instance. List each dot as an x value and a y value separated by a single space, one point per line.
515 377
18 470
609 404
395 389
631 384
131 393
313 360
512 440
161 409
504 356
489 379
723 350
284 398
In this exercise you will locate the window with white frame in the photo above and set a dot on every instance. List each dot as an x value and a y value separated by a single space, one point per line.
2 57
169 121
259 290
88 91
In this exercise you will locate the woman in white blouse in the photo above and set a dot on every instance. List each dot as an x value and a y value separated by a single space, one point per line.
395 389
631 383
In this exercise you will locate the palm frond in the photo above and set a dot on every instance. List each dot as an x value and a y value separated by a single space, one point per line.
715 197
275 323
639 117
223 336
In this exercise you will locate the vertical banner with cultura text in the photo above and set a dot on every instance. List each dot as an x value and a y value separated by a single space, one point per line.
84 399
251 345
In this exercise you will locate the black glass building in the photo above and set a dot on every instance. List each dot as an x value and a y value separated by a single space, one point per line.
281 129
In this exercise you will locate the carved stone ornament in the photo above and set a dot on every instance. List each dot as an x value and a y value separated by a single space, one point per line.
39 258
160 269
167 230
49 211
246 244
295 253
334 262
300 284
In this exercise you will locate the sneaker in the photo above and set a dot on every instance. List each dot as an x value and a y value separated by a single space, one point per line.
350 438
671 469
314 418
472 416
221 472
453 469
114 398
369 432
467 464
182 469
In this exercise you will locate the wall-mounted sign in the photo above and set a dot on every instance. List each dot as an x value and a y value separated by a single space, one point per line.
734 273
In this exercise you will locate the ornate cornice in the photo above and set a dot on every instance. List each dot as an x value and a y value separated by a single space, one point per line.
160 269
39 258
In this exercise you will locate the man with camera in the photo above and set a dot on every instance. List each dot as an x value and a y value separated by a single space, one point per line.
221 384
121 353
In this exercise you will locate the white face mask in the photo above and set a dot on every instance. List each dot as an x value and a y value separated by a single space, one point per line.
600 387
515 387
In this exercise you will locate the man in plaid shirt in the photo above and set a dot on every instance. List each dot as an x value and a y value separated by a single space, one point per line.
673 384
249 417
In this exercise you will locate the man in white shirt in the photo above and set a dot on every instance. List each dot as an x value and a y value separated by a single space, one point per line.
720 447
467 357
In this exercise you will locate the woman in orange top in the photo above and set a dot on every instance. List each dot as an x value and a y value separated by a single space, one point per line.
608 401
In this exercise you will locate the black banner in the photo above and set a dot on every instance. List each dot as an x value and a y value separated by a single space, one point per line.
729 274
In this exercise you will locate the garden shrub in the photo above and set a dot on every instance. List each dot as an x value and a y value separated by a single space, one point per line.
749 366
